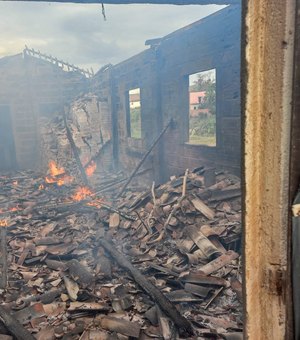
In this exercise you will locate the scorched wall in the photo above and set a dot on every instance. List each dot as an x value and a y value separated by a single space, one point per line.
30 89
161 73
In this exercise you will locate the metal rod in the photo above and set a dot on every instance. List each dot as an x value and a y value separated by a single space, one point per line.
144 157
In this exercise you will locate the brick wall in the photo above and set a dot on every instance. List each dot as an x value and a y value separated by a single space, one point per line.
137 72
161 73
213 42
33 89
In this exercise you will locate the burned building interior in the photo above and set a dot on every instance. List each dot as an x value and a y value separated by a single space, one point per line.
114 162
120 192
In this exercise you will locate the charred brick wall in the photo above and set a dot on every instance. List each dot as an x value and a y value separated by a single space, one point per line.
32 89
101 87
161 73
139 71
212 43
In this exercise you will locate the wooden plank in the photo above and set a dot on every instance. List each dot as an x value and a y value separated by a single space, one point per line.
219 262
13 326
122 326
203 208
202 242
3 258
165 305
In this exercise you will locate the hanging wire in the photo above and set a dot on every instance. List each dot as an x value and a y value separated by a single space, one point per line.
103 11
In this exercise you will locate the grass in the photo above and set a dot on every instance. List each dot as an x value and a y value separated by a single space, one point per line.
203 140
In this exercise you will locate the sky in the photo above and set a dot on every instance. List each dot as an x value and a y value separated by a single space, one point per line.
78 33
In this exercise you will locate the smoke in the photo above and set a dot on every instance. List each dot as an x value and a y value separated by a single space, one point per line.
78 33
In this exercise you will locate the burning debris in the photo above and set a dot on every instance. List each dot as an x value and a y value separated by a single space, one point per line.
57 175
79 127
164 263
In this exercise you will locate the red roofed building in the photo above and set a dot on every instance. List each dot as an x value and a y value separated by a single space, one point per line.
197 99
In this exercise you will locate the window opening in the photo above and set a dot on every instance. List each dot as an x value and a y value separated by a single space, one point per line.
135 119
202 108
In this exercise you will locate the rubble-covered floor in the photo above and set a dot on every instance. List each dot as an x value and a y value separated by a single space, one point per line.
183 236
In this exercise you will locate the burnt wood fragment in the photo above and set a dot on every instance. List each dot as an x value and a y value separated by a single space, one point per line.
165 305
13 326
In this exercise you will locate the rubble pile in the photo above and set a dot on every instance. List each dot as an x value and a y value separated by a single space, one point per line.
92 266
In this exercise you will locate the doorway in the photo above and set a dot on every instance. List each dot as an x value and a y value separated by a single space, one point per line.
7 145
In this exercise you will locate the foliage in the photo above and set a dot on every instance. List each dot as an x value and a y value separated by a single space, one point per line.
207 84
203 125
135 123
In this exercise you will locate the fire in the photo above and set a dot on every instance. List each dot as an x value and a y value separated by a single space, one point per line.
95 203
59 181
41 186
91 169
55 171
14 208
81 194
3 223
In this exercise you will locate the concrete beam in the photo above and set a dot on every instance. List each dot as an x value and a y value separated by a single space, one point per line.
269 31
154 2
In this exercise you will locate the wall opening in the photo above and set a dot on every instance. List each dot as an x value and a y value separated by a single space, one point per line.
7 145
134 116
202 108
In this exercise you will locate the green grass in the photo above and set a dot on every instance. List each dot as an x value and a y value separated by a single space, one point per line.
203 140
135 123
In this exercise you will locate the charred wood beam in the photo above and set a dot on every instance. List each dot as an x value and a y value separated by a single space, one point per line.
118 182
155 2
3 258
14 327
165 305
62 207
98 154
75 152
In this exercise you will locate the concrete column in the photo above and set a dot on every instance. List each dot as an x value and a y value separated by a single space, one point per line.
268 70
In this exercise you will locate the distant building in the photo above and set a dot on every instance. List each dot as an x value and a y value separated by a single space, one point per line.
197 99
134 100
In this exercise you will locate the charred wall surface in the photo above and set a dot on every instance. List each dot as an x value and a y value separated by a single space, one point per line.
138 72
212 43
31 90
162 74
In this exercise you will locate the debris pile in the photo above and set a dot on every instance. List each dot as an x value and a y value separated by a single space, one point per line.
158 264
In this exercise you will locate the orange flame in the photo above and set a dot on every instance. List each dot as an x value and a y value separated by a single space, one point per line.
81 194
59 181
57 171
14 208
91 169
3 223
95 203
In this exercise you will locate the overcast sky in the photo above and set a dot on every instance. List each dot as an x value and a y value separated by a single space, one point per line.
78 33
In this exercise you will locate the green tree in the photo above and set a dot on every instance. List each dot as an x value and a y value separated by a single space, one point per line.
205 82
